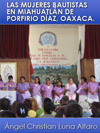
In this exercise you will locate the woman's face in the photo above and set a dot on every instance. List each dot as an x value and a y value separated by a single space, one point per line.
22 80
70 81
92 79
82 81
47 81
10 80
36 80
59 84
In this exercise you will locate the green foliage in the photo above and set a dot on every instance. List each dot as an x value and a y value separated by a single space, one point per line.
55 74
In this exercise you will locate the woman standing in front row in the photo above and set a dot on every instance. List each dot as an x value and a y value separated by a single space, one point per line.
82 90
23 90
93 89
58 91
47 89
1 83
71 89
11 85
35 87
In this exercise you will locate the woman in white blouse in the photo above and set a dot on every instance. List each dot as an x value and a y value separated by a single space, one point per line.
71 89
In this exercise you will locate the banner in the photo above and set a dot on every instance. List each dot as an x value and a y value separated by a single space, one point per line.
7 69
54 51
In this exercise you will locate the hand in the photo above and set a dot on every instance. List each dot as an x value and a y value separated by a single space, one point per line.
23 92
58 95
13 89
94 93
4 90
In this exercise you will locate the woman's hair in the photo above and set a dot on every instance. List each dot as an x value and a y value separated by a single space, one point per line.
28 104
0 104
70 78
72 101
21 110
5 104
59 113
84 78
60 82
34 105
48 107
96 109
22 77
73 110
10 77
14 106
0 78
64 100
39 82
7 114
47 100
48 79
92 76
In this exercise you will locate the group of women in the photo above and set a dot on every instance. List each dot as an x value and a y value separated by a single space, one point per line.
25 90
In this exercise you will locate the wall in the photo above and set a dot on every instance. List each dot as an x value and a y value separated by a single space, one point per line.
87 68
68 37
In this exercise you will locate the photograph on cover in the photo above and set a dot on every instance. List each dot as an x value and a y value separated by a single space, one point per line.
49 71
